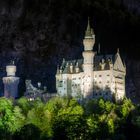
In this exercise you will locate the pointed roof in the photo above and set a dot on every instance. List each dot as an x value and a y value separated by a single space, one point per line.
89 31
118 64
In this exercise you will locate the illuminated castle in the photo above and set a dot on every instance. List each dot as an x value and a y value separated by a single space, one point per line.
95 75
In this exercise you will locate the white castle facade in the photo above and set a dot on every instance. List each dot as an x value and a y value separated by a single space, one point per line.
93 76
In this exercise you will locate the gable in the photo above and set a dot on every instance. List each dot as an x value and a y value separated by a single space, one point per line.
118 64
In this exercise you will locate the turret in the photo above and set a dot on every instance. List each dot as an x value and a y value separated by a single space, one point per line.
89 39
11 82
88 54
60 70
71 68
77 68
110 64
11 69
102 64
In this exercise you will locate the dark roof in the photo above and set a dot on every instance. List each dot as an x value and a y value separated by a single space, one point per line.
66 65
98 59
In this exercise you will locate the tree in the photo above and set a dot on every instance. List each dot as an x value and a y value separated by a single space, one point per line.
125 108
41 118
28 132
12 119
24 104
71 127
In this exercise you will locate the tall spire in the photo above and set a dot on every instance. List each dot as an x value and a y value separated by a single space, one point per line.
89 39
88 26
89 31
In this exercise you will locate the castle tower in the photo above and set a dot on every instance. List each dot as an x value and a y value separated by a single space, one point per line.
88 53
88 56
11 82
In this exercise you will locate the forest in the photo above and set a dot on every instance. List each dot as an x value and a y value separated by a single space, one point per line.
68 119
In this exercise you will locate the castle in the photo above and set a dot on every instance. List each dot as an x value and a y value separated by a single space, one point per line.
93 76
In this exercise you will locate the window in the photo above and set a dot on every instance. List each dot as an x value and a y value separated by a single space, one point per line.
60 83
107 81
107 87
100 75
119 83
100 82
108 75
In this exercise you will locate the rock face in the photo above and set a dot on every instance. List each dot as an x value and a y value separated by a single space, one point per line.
36 37
133 5
133 84
38 34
